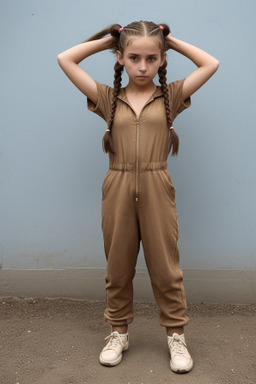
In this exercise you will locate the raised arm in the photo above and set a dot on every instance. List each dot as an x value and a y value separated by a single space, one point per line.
207 65
69 60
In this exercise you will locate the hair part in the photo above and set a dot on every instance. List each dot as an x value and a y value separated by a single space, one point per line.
138 29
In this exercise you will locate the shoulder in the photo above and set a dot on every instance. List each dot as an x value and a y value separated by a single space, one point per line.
103 88
176 86
176 97
102 104
104 94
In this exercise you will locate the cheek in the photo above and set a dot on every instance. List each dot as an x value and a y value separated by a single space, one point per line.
155 67
129 67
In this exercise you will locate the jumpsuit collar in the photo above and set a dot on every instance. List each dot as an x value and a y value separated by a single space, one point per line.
157 93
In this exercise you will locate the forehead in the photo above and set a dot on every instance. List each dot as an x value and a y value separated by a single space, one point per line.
143 45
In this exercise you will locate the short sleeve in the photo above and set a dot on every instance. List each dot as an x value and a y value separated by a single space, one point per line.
177 104
103 106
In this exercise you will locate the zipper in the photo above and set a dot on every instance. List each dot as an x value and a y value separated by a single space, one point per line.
137 160
124 99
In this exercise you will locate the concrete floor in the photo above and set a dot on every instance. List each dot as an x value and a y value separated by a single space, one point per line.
58 342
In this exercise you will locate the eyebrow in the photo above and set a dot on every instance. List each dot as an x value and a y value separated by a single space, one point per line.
150 55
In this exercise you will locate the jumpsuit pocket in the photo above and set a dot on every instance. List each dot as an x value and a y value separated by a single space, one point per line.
166 178
107 183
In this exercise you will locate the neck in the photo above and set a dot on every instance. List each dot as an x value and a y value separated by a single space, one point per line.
134 88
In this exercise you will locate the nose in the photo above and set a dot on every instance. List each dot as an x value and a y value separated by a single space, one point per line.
143 66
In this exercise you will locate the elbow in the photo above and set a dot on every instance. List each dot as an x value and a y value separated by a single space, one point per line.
216 64
213 66
59 59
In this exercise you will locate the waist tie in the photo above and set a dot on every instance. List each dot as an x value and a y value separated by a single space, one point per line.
143 166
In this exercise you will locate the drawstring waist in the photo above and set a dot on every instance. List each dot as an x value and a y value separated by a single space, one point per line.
143 166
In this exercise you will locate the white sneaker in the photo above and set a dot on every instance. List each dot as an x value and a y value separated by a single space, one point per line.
181 360
111 354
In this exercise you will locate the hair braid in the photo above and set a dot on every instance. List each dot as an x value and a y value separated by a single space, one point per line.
173 139
107 142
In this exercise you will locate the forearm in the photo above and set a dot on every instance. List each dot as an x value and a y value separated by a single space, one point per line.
81 51
199 57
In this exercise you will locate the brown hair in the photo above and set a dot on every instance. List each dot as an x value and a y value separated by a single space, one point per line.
138 28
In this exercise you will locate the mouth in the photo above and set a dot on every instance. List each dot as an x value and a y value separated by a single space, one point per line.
142 77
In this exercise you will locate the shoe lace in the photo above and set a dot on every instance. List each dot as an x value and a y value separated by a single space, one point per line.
177 345
114 340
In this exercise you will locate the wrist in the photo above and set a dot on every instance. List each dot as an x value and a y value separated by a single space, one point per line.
99 45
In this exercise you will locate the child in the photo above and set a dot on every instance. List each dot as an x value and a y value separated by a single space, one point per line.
138 198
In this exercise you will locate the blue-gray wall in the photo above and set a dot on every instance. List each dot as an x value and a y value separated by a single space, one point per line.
51 161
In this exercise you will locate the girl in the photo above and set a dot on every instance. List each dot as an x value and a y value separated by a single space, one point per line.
138 198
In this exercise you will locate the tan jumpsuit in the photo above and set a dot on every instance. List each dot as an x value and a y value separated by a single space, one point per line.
138 204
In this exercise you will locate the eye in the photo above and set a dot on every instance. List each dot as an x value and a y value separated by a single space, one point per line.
152 59
134 58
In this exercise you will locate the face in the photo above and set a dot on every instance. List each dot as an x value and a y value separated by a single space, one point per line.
142 59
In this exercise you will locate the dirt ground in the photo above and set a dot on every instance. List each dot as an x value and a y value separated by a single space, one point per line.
58 342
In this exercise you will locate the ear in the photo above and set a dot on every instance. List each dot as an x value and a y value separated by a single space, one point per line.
163 59
119 57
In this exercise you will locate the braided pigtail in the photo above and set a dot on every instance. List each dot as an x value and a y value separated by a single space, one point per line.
107 142
111 29
173 139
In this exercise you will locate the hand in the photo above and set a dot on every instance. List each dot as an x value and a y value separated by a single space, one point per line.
111 42
169 41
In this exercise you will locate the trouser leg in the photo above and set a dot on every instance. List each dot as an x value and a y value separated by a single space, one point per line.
159 234
121 240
